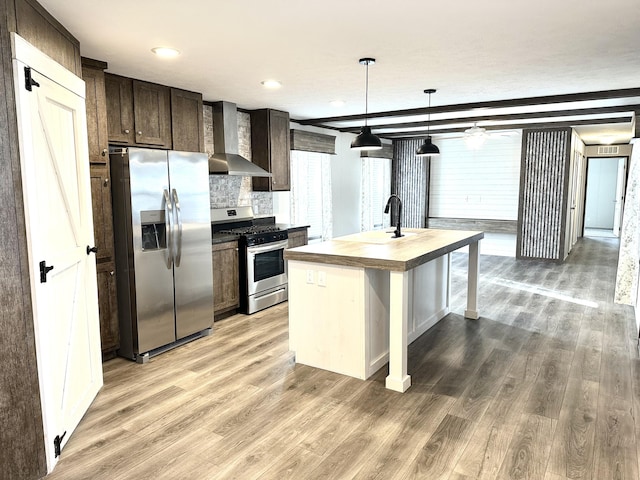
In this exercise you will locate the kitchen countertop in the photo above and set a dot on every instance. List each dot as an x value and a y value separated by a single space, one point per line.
377 249
223 238
290 227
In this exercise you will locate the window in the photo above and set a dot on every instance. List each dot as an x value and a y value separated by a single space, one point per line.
311 193
376 188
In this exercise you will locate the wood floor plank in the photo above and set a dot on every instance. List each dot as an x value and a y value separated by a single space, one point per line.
548 391
403 444
488 446
573 442
437 457
635 376
294 465
528 452
567 332
586 363
615 451
476 398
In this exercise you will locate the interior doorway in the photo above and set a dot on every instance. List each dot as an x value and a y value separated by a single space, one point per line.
604 199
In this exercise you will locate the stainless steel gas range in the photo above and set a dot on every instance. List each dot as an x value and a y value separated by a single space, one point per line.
261 246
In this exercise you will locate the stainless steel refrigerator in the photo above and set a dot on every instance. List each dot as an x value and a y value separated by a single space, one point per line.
162 232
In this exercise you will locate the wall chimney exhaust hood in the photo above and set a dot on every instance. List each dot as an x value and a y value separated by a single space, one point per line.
226 160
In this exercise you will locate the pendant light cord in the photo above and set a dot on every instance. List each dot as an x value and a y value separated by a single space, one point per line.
429 116
366 95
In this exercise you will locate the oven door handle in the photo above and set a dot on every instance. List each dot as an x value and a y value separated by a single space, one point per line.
268 247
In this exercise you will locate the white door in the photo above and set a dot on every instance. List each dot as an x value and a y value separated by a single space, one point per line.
57 195
619 200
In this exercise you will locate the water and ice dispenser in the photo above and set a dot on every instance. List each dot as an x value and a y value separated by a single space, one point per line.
154 229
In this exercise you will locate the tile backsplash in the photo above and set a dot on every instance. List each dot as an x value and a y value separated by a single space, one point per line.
230 190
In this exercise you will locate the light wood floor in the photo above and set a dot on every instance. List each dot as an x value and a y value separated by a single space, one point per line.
545 386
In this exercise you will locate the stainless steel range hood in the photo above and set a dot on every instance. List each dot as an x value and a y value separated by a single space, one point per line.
226 160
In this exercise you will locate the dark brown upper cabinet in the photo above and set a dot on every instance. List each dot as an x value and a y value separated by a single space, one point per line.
119 92
270 149
186 121
138 113
152 114
96 106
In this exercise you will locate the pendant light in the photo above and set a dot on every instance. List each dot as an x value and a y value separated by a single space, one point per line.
428 149
366 140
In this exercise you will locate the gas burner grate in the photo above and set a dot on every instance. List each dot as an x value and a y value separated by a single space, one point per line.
252 230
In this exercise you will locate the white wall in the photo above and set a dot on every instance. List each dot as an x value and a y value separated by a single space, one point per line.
602 176
480 184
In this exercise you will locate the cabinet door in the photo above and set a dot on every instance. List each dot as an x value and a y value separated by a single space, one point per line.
152 114
108 306
96 106
102 218
187 127
298 238
279 144
226 281
119 109
270 149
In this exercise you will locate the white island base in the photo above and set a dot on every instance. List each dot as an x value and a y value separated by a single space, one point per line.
357 302
344 312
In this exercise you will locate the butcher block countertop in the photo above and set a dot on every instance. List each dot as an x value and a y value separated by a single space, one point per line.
379 250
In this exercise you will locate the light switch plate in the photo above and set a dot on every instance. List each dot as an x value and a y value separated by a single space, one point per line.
322 278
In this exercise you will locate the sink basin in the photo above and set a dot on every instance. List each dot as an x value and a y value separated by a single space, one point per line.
375 236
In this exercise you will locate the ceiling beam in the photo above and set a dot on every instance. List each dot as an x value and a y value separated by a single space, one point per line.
504 117
514 126
517 102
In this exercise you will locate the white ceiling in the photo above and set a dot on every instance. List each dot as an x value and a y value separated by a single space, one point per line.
469 51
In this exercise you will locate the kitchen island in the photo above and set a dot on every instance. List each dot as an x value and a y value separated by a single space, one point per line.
356 302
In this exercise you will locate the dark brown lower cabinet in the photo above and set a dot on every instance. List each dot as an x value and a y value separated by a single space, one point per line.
108 305
226 281
297 238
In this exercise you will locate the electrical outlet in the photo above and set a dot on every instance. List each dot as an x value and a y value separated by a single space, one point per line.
310 276
322 278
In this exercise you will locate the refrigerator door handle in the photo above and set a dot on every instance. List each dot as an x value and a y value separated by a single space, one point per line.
178 212
168 227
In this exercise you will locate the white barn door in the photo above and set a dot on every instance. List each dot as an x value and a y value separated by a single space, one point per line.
56 185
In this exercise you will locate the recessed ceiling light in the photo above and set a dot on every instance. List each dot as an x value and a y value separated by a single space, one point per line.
271 83
165 52
337 103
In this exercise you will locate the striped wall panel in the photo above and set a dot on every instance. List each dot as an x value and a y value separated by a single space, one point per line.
410 180
544 176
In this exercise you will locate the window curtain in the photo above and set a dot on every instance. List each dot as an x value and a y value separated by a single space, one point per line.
375 188
311 193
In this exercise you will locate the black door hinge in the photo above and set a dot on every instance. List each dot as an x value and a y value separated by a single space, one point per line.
44 270
28 79
57 442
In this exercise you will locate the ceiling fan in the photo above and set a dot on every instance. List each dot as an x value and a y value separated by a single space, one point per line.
475 136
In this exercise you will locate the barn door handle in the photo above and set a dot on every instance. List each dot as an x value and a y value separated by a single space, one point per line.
44 270
91 249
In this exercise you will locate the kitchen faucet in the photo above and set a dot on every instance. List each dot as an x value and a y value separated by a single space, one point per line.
397 233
